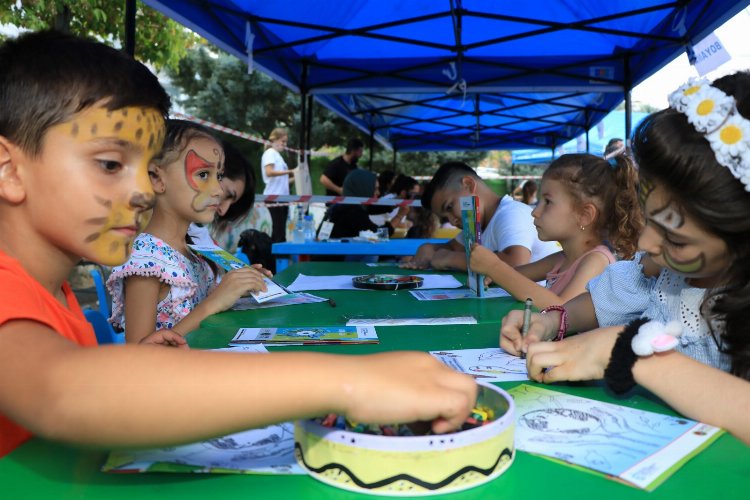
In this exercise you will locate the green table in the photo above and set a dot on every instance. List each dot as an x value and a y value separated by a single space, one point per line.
40 469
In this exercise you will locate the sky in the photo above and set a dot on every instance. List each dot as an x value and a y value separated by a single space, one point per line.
733 36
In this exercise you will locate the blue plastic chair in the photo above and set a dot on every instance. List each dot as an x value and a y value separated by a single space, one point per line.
105 334
242 256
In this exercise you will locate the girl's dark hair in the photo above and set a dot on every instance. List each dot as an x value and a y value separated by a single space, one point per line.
673 154
49 76
528 191
610 185
179 133
237 167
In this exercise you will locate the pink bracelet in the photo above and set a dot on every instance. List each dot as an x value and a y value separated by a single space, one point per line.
563 320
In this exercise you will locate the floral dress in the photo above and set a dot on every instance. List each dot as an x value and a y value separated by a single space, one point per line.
191 279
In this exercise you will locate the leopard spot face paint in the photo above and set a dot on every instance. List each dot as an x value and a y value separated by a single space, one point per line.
122 191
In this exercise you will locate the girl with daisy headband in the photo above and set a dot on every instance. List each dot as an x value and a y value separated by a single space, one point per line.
694 159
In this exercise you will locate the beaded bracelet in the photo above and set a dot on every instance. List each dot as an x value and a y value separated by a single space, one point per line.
563 320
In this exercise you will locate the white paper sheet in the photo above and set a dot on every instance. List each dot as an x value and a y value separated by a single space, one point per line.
489 365
291 299
344 282
459 320
640 447
259 348
453 294
269 450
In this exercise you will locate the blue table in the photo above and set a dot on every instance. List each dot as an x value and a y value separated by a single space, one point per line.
392 247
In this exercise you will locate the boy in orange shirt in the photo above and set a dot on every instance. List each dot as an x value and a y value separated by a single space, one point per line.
79 123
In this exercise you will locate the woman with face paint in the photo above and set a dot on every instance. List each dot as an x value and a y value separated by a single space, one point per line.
163 275
694 160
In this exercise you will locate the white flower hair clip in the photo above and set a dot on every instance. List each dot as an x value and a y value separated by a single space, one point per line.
714 114
655 336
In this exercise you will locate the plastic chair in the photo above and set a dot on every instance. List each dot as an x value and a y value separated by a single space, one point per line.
242 256
105 334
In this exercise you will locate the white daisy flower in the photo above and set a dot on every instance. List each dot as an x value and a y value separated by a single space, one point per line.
678 98
707 108
731 144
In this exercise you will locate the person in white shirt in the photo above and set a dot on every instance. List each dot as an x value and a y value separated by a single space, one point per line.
277 176
507 226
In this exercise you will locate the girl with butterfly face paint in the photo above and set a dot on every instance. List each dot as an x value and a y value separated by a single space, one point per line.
163 275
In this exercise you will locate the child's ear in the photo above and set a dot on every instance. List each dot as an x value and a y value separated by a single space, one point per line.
11 182
587 214
156 176
469 183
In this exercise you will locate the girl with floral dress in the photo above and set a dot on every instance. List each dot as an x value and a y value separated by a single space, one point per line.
164 285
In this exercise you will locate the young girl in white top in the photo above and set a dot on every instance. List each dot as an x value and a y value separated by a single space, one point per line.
164 285
694 160
585 201
277 176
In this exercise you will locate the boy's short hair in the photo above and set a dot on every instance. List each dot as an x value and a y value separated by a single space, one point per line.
48 76
353 145
448 174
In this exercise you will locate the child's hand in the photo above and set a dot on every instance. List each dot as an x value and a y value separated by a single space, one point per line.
235 284
400 387
482 259
422 258
263 270
582 357
166 338
542 327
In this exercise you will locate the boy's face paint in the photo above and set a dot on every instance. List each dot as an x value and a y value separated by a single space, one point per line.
90 187
674 240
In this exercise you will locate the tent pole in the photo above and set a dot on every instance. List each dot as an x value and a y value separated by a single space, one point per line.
308 123
130 27
628 101
372 143
588 126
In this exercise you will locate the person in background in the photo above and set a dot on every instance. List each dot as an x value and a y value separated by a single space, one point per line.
507 226
236 212
337 170
277 177
614 147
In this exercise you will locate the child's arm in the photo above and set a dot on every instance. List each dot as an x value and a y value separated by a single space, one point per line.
521 282
693 389
141 296
581 317
234 284
166 396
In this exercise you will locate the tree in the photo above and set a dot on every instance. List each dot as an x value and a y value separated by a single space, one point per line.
159 40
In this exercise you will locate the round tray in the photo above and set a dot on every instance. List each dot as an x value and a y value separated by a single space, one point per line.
387 281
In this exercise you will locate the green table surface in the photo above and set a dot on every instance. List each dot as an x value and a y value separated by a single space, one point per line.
41 469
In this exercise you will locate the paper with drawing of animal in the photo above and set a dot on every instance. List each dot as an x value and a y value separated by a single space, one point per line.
637 447
269 450
489 365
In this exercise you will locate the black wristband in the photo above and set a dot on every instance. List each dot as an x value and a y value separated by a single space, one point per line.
619 372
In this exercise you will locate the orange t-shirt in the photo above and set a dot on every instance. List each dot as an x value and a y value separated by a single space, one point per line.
22 297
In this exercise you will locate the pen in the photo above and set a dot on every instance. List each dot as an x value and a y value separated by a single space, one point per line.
526 322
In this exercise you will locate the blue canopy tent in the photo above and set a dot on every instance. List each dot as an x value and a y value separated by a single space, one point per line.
457 74
612 126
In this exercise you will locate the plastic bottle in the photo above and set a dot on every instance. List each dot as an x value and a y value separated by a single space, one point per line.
298 235
309 229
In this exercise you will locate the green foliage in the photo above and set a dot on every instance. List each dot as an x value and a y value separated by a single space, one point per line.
218 88
159 40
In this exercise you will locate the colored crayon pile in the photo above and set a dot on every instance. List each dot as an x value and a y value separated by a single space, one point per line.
479 416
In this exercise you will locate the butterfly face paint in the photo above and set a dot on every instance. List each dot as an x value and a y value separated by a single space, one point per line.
202 175
107 152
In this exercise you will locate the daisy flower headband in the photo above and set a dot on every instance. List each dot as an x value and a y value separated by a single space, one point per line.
714 114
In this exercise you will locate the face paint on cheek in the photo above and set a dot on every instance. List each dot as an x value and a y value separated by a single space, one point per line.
645 189
113 235
691 266
193 163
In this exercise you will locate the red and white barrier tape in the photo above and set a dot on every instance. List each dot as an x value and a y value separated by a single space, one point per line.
345 200
243 135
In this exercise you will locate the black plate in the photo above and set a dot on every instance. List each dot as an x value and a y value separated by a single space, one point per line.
387 282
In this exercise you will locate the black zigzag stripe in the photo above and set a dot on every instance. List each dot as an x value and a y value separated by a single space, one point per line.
378 484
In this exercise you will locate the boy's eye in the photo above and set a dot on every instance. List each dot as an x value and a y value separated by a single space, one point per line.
110 165
220 175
